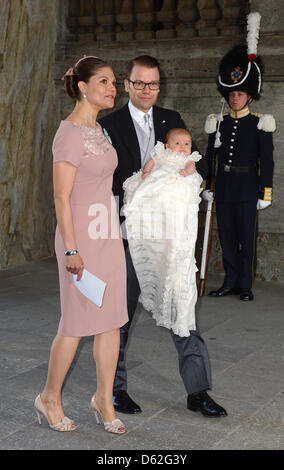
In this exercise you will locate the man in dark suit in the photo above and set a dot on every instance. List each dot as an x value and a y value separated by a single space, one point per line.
134 130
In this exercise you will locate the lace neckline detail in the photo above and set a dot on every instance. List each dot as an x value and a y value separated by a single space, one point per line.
161 153
94 139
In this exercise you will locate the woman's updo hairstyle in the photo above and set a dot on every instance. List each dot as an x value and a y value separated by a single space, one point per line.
83 70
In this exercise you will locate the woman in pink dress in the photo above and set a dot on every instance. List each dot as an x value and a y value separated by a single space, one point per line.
87 238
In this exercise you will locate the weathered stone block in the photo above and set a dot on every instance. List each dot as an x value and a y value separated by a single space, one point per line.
27 126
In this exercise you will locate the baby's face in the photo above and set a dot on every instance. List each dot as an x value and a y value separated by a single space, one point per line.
179 142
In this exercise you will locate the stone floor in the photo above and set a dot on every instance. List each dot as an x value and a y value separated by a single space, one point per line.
246 347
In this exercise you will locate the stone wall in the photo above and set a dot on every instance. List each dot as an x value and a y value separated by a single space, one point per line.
28 33
188 46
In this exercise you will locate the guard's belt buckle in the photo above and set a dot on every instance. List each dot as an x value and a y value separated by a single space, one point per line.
227 168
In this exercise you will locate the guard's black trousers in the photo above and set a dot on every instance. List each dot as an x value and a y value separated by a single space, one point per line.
194 365
238 228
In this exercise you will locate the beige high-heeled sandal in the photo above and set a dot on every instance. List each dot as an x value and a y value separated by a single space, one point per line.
115 426
65 424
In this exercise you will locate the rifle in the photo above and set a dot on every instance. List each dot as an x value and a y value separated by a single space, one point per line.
206 245
208 230
216 143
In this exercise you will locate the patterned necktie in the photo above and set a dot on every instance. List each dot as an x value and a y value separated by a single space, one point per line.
147 130
147 125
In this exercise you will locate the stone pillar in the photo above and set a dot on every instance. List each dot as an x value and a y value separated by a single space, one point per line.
85 21
125 20
145 19
27 127
73 14
209 14
272 15
230 23
104 29
187 16
167 16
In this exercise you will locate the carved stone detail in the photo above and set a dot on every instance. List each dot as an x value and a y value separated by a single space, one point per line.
187 15
229 25
137 19
105 20
167 16
209 15
145 19
125 19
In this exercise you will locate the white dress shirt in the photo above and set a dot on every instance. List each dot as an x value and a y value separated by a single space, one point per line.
138 116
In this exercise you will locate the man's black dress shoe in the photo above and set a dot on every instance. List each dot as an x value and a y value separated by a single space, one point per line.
223 291
246 294
123 403
202 402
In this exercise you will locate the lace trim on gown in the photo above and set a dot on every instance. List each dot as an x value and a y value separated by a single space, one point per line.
165 266
166 156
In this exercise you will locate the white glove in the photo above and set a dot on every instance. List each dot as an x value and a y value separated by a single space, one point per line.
208 195
261 204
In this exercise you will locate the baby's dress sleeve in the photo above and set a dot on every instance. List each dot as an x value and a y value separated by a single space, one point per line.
68 145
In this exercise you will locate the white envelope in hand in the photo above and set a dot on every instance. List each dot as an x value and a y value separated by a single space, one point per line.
91 286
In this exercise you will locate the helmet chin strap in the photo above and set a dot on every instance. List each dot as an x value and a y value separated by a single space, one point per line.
249 101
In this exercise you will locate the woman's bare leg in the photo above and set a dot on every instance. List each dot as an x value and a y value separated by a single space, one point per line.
62 353
106 349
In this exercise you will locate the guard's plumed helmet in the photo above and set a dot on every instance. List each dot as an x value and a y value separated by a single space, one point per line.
241 69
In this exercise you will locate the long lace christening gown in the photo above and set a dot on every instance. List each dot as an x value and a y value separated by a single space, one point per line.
161 222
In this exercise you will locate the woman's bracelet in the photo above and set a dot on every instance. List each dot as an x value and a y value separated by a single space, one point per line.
71 252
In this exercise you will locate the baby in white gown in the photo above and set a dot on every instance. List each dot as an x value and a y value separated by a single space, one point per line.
178 140
161 206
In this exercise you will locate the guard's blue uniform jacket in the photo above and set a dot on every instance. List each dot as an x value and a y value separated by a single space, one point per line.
249 150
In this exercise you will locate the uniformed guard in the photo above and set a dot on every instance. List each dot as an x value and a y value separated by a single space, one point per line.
242 143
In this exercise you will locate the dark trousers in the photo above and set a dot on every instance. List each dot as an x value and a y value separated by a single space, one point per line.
133 292
238 227
194 365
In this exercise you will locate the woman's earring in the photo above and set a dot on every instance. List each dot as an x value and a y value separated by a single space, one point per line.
84 95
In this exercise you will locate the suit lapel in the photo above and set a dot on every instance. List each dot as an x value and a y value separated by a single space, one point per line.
159 123
128 134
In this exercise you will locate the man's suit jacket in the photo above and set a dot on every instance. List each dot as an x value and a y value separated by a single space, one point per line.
121 130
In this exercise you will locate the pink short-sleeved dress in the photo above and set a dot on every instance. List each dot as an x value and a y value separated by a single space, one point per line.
97 232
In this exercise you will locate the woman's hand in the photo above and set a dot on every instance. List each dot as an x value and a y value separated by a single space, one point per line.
75 265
